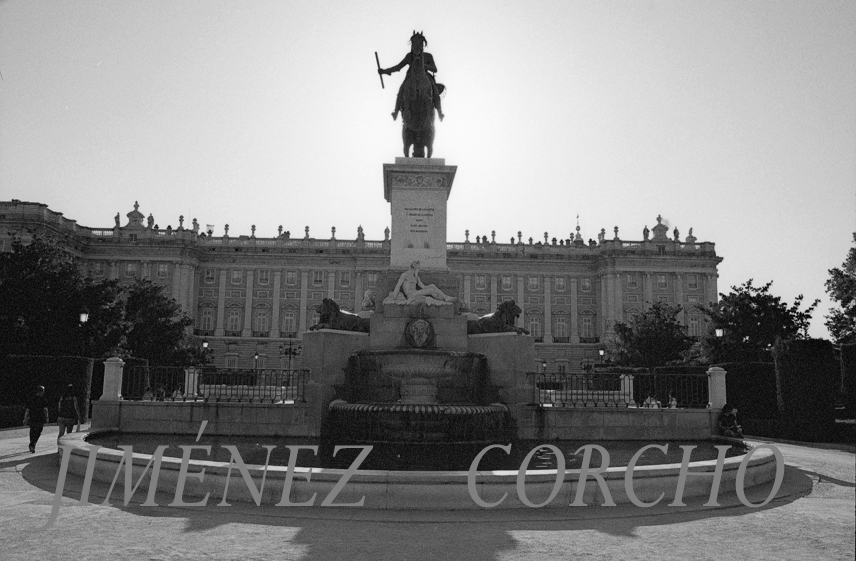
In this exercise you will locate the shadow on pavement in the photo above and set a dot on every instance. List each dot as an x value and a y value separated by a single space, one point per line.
340 533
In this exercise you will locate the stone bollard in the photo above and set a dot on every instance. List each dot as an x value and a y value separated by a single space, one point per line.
112 388
716 387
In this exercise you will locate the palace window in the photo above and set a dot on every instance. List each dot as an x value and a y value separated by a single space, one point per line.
232 362
661 282
99 268
372 279
632 280
163 270
207 319
692 281
290 278
289 323
585 284
506 282
264 276
233 320
317 278
561 327
345 278
534 283
694 326
480 282
586 326
560 284
131 270
261 321
535 326
237 277
209 276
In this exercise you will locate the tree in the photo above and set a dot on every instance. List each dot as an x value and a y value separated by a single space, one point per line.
42 294
751 320
41 297
654 338
155 326
841 287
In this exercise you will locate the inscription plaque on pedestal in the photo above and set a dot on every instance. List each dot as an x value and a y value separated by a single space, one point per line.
418 189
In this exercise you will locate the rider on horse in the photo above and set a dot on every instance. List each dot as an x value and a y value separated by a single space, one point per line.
417 43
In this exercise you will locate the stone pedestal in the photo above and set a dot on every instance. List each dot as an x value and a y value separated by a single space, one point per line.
418 189
716 387
325 354
112 388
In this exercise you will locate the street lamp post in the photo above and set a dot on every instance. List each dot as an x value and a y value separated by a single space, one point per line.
84 317
291 352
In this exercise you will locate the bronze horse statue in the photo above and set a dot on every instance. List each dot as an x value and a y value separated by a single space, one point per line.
417 98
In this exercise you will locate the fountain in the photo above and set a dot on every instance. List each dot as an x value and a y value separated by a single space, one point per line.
417 396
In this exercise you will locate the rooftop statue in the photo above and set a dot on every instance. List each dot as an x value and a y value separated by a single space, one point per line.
417 98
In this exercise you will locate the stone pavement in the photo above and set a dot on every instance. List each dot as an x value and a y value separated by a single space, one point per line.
812 517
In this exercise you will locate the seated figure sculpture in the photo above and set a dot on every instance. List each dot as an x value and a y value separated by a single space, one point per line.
333 317
411 290
501 321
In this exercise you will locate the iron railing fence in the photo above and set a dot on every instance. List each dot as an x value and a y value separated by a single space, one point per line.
263 385
615 389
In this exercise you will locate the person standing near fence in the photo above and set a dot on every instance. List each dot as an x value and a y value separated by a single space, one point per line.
69 414
36 415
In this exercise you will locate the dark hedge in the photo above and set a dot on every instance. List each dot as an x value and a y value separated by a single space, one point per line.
19 376
807 374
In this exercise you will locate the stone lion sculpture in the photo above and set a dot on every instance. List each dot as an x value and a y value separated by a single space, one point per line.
501 321
333 317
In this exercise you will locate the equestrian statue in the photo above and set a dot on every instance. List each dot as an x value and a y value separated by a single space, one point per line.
417 98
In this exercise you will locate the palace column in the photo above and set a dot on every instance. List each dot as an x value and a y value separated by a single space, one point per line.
358 291
494 293
575 328
468 289
248 307
649 291
548 306
176 282
679 297
331 284
274 322
521 321
220 330
304 301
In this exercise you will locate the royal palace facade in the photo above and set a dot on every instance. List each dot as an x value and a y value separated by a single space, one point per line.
253 298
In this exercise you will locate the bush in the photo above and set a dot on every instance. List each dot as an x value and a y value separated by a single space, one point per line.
19 376
807 374
848 379
11 415
751 388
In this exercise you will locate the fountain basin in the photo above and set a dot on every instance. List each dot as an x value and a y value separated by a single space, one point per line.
397 490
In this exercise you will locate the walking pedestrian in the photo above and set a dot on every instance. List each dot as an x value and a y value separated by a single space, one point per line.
36 415
69 414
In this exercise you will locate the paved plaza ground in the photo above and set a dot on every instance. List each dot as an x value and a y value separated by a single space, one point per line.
812 517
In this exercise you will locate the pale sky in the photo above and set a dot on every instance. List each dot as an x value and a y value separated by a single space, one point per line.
736 119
